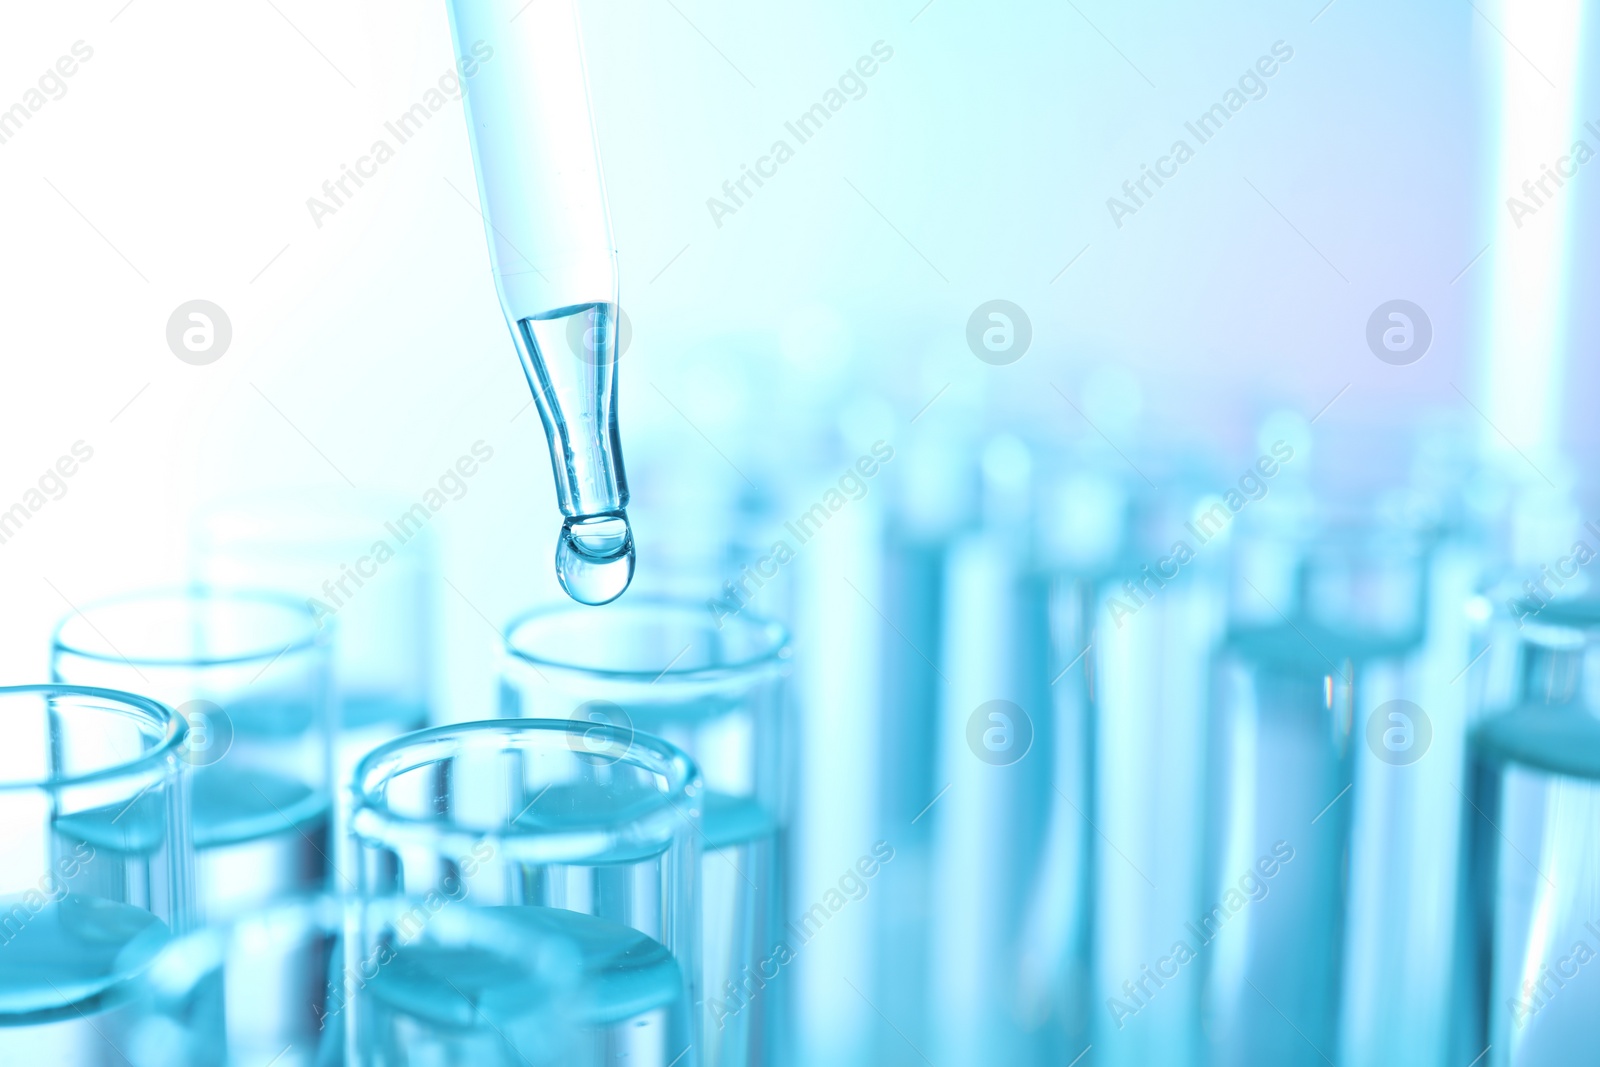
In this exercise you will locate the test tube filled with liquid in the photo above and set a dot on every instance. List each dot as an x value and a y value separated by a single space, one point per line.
555 267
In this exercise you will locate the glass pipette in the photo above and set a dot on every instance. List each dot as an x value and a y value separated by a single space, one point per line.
555 267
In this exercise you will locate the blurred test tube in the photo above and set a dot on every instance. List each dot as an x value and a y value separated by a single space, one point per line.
1082 523
1268 933
364 567
364 560
996 738
249 673
934 498
1338 734
1158 616
1530 927
1398 592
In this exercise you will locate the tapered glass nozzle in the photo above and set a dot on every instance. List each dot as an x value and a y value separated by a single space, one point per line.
570 356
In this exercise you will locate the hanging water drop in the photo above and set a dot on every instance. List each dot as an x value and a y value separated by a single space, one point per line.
594 558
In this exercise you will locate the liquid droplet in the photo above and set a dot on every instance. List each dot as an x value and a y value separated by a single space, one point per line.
594 558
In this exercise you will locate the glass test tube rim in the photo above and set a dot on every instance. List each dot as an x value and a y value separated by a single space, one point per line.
375 824
1300 647
1580 612
315 633
1554 738
1564 623
1503 596
773 641
171 729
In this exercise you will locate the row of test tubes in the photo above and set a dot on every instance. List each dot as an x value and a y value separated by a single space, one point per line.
1184 762
1045 759
230 835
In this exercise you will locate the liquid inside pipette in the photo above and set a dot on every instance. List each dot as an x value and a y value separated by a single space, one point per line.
570 355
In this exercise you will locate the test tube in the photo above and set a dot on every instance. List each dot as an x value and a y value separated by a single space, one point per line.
1410 716
1334 742
738 568
934 491
249 672
365 569
581 831
328 980
554 263
365 565
836 832
998 736
1269 933
1530 928
1495 682
718 689
1161 601
1367 580
96 867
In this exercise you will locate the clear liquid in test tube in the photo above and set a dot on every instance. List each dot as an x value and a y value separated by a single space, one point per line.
554 263
1529 927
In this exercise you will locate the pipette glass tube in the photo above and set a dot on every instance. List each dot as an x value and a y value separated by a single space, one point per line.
718 689
95 864
249 673
573 830
555 266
